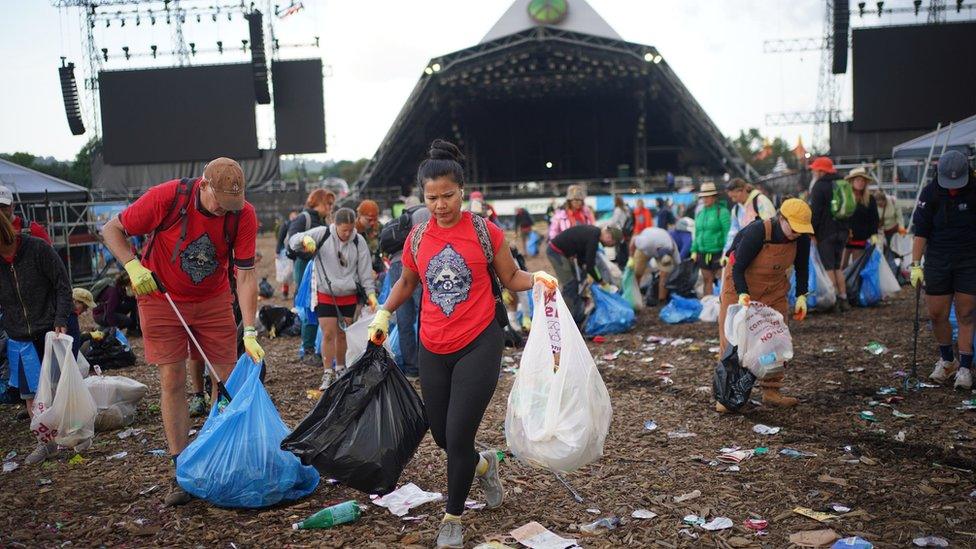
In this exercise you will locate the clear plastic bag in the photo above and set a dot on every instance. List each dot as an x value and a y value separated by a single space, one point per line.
235 461
901 244
826 294
889 284
762 337
357 337
109 390
64 411
558 416
630 291
710 308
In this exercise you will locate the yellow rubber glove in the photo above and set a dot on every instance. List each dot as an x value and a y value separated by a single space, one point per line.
724 261
547 280
744 300
308 244
141 278
630 263
97 335
251 344
371 302
694 256
875 240
379 327
917 275
800 309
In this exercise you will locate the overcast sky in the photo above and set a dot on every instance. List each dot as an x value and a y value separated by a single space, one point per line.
375 51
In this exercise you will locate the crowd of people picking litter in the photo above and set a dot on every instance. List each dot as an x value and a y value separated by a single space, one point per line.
446 282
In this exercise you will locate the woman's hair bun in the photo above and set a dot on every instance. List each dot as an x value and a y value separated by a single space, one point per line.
445 150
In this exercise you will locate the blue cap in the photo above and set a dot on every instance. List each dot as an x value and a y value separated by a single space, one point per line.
953 170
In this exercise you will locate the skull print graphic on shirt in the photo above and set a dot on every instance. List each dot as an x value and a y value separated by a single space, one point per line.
199 259
448 279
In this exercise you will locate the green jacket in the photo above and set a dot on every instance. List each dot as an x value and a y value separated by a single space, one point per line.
711 226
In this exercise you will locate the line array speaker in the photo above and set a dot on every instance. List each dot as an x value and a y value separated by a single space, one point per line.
69 92
842 23
258 59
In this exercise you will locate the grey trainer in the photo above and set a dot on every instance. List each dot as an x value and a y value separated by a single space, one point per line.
490 482
177 496
451 535
41 453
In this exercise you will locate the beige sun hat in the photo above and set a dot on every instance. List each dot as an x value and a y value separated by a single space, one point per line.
707 189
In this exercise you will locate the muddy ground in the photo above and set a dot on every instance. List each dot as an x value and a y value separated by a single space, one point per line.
896 490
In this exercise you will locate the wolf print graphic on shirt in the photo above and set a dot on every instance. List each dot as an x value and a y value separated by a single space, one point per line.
199 259
448 279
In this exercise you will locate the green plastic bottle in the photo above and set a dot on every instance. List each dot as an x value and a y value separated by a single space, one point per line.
347 511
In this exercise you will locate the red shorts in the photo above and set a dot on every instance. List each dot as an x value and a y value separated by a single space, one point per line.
166 341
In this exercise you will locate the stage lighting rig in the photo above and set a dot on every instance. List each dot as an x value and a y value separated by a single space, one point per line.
918 6
880 8
860 8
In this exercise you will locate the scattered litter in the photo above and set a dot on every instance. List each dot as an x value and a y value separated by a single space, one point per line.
735 456
650 425
868 415
508 360
868 461
718 523
76 460
855 542
794 453
119 455
925 385
10 455
681 434
44 481
756 524
815 515
761 429
900 437
10 466
930 541
593 511
158 453
838 508
832 480
875 348
829 350
682 341
473 505
687 497
417 518
130 432
643 514
968 404
884 391
703 389
149 490
192 432
734 469
687 532
313 394
606 523
855 370
762 450
814 538
535 536
901 415
693 520
406 497
597 339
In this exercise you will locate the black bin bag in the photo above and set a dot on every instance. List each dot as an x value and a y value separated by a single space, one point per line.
732 384
682 279
365 428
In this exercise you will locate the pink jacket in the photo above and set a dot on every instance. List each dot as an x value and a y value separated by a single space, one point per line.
562 220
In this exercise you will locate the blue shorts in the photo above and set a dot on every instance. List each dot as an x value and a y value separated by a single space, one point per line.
24 358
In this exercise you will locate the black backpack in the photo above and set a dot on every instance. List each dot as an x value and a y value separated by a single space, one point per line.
292 254
394 234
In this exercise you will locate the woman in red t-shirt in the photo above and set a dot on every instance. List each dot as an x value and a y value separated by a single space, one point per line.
460 342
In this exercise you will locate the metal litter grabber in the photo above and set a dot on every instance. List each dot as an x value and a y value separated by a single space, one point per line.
911 380
222 392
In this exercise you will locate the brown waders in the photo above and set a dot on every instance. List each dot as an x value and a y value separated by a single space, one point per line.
768 284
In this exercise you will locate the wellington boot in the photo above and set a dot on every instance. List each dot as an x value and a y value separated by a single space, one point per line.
772 397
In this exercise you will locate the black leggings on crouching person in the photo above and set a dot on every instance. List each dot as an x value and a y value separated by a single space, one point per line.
457 389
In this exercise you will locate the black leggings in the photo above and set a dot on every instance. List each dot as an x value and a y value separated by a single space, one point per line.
457 389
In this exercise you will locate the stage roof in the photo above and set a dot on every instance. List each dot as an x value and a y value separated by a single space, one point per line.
588 101
28 184
961 137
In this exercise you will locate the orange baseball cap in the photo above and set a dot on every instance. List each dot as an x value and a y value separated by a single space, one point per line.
823 164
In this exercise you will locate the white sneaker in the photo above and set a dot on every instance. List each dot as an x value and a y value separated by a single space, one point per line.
964 379
41 453
327 379
943 369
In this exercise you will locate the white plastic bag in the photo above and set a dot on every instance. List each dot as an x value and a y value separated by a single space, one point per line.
889 284
357 337
65 415
110 390
557 417
710 308
284 268
901 244
762 336
826 294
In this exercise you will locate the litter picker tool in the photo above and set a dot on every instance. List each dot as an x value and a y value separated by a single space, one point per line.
221 389
911 381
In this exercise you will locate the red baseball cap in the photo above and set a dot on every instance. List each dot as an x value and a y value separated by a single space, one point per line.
823 164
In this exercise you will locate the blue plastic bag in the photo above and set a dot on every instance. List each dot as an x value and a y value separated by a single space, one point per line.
303 298
532 243
235 461
612 314
811 284
870 292
385 288
681 309
394 341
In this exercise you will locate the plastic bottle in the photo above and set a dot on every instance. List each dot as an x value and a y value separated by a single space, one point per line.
767 359
347 511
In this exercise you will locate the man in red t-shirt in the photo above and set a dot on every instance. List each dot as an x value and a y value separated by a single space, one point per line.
190 257
7 209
